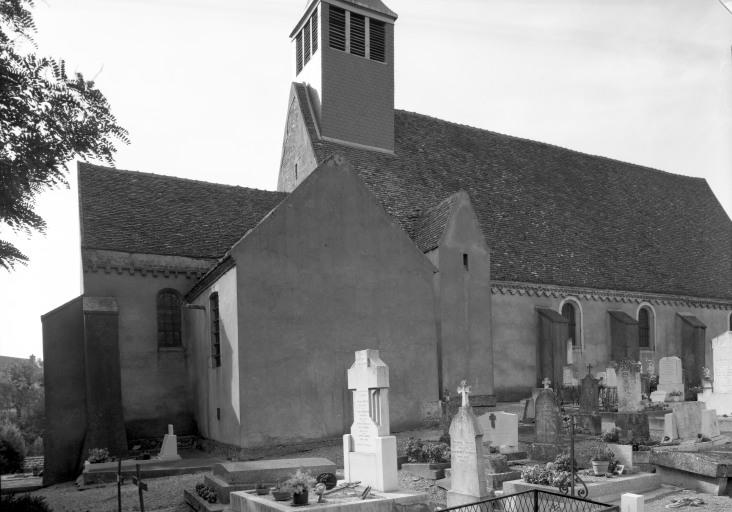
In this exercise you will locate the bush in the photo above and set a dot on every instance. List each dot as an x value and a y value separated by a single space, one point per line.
417 450
537 475
24 503
611 436
562 463
12 449
36 448
98 455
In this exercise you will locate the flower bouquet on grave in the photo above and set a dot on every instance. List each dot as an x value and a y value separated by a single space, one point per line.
299 484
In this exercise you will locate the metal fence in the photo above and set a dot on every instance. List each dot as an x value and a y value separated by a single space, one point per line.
570 396
535 501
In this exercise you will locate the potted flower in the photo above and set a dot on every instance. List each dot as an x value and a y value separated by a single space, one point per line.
600 456
299 484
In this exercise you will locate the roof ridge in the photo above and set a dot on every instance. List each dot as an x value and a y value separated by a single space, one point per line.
548 144
172 177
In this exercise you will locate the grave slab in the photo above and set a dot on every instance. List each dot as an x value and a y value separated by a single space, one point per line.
499 429
244 501
253 471
702 471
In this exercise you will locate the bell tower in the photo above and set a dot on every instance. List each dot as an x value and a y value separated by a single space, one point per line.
344 53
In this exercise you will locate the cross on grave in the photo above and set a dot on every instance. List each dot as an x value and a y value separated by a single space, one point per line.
464 390
589 368
546 383
492 417
141 486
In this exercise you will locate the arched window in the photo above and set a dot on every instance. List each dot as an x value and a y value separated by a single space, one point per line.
644 328
215 330
570 313
168 304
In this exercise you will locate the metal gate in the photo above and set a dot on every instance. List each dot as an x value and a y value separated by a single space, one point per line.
535 501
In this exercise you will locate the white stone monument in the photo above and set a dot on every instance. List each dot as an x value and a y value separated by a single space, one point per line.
500 429
169 450
629 390
720 396
670 376
467 471
611 378
369 452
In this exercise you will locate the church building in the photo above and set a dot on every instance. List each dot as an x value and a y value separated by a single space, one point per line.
457 252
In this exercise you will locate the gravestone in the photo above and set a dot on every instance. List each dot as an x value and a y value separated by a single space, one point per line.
688 419
629 389
611 378
500 429
670 430
670 376
369 452
709 424
589 395
169 450
568 376
720 396
658 396
547 427
467 474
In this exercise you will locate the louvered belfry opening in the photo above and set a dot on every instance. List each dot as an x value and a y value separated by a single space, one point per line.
337 18
358 34
377 40
298 52
306 42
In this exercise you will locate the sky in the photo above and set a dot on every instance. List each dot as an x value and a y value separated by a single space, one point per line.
202 87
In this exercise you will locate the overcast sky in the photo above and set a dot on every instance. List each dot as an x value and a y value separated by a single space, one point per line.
202 86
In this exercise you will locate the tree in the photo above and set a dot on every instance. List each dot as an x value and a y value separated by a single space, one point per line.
46 119
26 397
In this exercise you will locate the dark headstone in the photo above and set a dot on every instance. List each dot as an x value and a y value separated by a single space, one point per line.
589 395
547 417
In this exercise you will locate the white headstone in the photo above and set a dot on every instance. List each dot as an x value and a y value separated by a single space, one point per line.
709 424
722 360
611 378
568 376
670 432
369 452
632 502
169 450
500 429
467 473
670 376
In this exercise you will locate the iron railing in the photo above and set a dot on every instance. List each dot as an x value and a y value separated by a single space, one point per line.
535 500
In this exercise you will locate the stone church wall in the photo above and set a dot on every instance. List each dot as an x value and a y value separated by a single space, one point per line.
215 389
516 326
154 385
325 274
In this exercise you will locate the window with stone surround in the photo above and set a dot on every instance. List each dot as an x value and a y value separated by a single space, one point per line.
572 313
168 306
215 330
644 328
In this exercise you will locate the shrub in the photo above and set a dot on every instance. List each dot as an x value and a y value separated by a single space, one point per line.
417 450
12 449
206 492
537 475
562 463
24 503
37 447
98 455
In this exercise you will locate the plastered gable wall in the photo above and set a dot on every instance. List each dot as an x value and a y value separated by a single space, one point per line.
216 387
465 302
154 385
516 326
297 149
325 274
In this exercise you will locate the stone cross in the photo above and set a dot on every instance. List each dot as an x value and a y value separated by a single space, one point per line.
546 383
589 368
492 417
464 390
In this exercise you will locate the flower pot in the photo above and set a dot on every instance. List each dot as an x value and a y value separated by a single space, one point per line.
300 498
599 467
279 495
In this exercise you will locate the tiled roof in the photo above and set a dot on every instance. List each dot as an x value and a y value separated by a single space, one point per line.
556 216
428 226
148 213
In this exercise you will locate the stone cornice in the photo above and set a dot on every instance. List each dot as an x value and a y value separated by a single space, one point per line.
154 265
560 292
